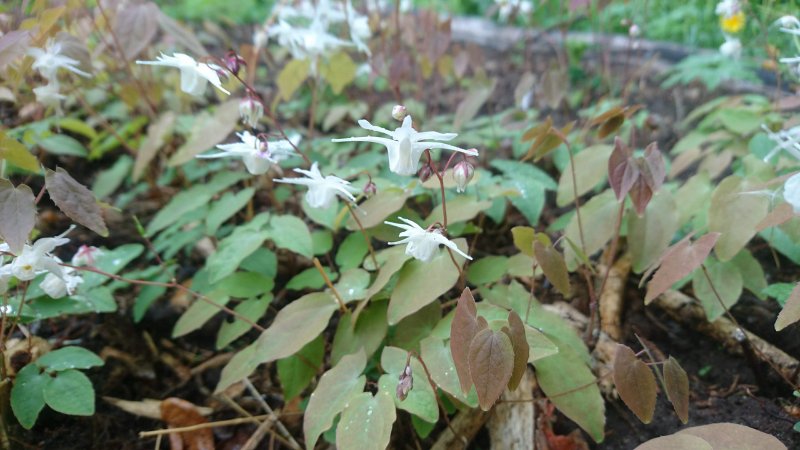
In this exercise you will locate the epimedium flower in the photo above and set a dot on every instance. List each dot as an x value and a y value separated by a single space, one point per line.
732 47
258 155
37 258
791 192
194 76
731 17
49 59
322 191
406 145
58 287
420 243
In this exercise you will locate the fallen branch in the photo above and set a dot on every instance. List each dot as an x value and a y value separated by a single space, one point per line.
688 311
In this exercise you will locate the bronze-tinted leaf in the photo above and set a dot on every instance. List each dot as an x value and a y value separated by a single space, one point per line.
780 214
676 386
677 262
676 442
136 28
553 266
791 310
462 331
17 214
611 125
635 383
622 171
538 130
75 200
732 436
519 343
178 413
653 169
641 193
491 363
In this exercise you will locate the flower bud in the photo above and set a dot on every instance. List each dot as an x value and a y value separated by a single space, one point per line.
233 62
85 256
424 173
251 111
462 174
399 112
634 31
370 189
53 286
405 383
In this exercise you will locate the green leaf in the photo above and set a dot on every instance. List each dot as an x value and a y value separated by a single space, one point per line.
366 423
17 154
421 400
199 313
77 126
650 235
420 283
367 333
734 213
245 285
27 398
110 261
599 219
487 270
232 250
379 207
351 251
291 233
60 144
779 291
353 285
440 362
335 390
752 273
292 77
459 209
569 383
112 178
310 279
321 241
339 71
390 260
296 372
70 392
727 281
69 358
208 130
263 261
238 368
252 309
591 168
224 208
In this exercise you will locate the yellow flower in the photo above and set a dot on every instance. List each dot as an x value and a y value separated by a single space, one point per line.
734 23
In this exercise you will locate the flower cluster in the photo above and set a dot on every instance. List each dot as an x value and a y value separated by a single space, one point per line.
732 21
47 61
37 259
306 29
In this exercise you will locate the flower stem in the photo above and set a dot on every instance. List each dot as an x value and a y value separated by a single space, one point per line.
318 265
363 233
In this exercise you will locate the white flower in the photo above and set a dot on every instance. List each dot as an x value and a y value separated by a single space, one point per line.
48 94
322 191
507 7
58 287
407 144
194 76
421 243
49 60
728 8
257 155
310 43
788 140
791 192
732 47
251 111
36 259
789 24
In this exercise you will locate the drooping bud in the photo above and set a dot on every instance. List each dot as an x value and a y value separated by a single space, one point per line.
251 111
405 383
399 112
634 31
370 189
234 62
462 174
424 173
85 256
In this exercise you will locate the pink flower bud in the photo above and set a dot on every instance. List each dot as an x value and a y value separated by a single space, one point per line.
405 383
462 174
234 62
634 31
399 112
251 111
370 189
424 173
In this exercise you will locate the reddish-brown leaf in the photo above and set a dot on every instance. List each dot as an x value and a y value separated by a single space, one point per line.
635 383
75 200
653 169
676 386
553 266
677 262
491 362
732 436
17 214
462 331
782 213
622 171
641 194
177 413
611 125
516 332
791 310
538 130
136 28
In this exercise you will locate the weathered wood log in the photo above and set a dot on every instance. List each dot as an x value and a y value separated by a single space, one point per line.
466 424
512 423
